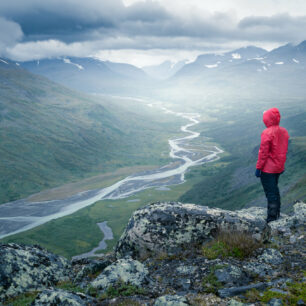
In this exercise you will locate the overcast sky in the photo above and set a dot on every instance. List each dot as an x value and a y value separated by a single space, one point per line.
145 32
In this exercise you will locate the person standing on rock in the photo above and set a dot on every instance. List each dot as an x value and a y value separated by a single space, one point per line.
271 160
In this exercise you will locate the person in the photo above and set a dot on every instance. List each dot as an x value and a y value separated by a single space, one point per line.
271 160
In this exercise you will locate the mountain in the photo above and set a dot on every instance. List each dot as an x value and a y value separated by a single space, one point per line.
52 135
90 75
164 70
206 62
243 73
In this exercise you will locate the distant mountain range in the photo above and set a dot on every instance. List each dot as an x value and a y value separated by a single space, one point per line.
165 70
89 74
246 67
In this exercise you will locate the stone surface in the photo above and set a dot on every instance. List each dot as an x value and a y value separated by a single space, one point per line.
61 297
85 267
125 270
271 256
231 275
24 268
229 292
183 275
275 302
165 227
261 270
171 300
233 302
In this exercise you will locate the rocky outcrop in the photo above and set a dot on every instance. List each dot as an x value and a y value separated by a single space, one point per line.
166 227
171 263
123 270
171 300
25 268
60 297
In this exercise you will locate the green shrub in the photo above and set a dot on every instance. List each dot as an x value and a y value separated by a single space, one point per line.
69 286
122 289
210 282
22 299
235 244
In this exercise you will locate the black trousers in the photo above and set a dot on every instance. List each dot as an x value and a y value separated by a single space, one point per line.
269 183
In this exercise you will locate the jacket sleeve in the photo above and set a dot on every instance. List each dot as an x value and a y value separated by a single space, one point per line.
264 150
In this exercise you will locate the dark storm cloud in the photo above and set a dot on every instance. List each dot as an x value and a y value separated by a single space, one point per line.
63 27
49 19
280 27
81 20
275 21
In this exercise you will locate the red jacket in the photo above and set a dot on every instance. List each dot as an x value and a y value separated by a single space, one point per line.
274 144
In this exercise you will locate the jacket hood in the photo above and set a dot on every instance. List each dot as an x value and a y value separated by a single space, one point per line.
271 117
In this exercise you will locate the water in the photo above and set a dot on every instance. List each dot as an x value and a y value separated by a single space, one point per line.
22 215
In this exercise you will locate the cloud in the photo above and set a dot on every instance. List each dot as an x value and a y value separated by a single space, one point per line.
10 33
279 27
80 28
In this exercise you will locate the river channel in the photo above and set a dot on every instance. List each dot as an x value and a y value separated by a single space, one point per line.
22 215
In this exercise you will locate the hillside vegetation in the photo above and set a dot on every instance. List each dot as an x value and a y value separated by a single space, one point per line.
51 135
234 185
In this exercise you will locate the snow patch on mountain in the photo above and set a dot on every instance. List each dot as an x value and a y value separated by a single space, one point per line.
256 58
68 61
1 60
295 60
212 66
236 56
279 63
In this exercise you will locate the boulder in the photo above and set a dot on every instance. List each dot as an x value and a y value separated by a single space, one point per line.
171 300
26 268
229 292
61 297
231 275
271 256
124 270
165 227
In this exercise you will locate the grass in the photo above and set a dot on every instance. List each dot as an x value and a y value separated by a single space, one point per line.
233 185
78 233
22 299
51 135
296 292
210 283
230 244
122 289
69 286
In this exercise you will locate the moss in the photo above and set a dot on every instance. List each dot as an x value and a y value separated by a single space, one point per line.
122 289
92 291
69 286
297 292
22 299
210 282
127 302
252 296
268 295
234 244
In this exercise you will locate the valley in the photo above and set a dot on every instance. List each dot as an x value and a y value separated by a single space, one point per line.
123 138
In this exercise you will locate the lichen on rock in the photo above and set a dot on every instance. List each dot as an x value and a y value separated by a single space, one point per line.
123 270
25 268
171 300
60 297
168 226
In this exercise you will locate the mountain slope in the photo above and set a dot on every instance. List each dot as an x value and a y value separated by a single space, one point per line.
89 74
50 134
247 72
164 70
